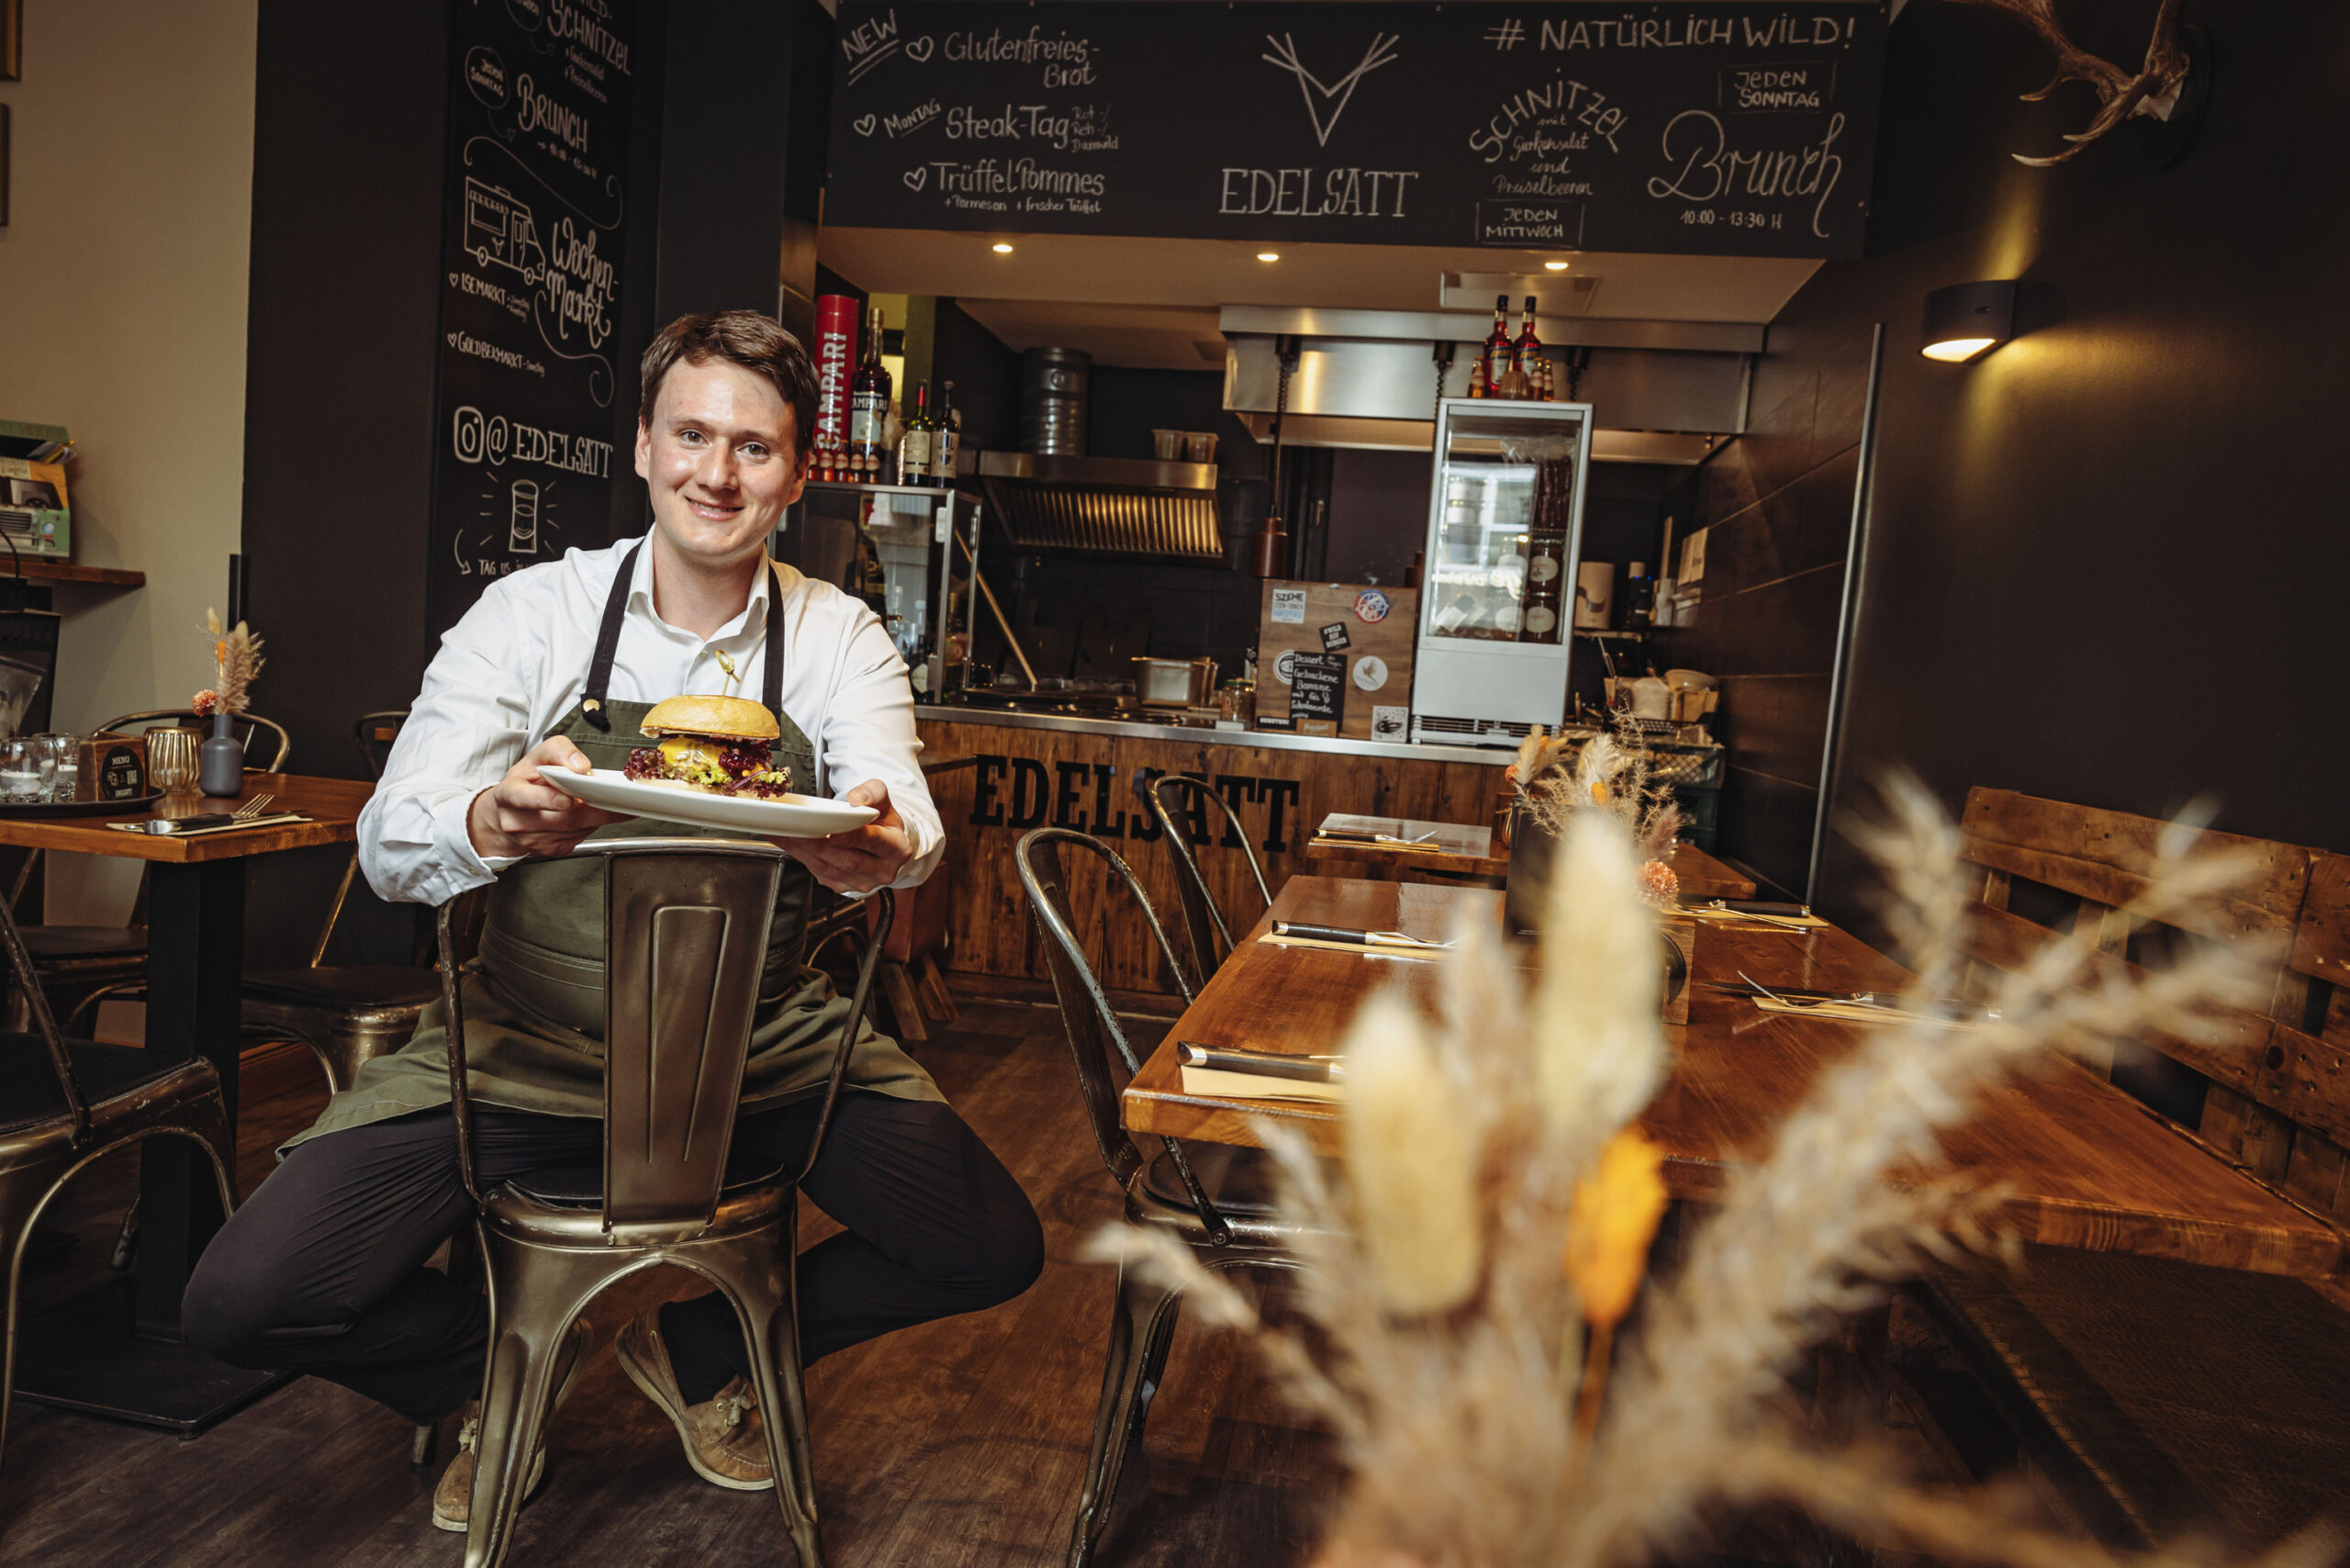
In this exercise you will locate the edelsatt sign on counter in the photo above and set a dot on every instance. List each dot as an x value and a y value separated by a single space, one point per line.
1705 125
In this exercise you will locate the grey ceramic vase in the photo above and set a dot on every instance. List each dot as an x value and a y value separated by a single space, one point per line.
220 761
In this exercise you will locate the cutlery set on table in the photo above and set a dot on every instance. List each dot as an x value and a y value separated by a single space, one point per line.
254 813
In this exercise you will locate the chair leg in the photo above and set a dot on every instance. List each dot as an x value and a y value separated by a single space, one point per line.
932 983
534 1295
126 1240
17 1212
905 1008
756 1272
1136 1331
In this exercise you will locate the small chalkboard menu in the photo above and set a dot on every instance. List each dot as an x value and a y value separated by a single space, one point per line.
533 231
1317 688
1713 126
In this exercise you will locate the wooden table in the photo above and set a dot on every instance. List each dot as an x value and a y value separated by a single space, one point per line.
1461 851
100 1353
2073 1161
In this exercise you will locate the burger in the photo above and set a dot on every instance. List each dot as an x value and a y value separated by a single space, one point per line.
718 744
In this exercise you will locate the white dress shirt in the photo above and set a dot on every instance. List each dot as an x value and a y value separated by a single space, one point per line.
508 673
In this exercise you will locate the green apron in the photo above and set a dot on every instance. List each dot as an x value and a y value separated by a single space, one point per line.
534 998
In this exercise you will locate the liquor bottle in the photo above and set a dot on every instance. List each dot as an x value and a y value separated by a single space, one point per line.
868 410
945 439
1477 387
914 450
1517 379
1497 356
1530 357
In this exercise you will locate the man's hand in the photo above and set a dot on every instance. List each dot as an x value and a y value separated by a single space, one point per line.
523 814
863 858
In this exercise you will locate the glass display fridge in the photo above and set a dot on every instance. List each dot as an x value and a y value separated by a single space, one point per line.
895 547
1497 593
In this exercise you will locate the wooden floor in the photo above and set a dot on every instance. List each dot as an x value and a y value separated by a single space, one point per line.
960 1442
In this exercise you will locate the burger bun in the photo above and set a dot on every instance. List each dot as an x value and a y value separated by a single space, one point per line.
727 718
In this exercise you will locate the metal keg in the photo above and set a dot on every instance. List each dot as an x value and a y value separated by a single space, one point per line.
1053 387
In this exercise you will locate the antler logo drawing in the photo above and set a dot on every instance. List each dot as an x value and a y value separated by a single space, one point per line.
1326 103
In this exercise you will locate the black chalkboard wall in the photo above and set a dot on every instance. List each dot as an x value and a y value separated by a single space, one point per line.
533 236
1722 129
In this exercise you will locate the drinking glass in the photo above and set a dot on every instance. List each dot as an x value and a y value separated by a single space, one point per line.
171 759
65 774
20 777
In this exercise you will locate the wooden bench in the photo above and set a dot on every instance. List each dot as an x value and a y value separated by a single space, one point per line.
2160 1398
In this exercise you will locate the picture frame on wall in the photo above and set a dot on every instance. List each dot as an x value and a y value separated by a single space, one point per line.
12 40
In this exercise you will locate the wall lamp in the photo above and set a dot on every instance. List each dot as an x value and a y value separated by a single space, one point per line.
1967 320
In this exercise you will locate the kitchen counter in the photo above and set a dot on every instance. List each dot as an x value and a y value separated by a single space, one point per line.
1032 770
1269 739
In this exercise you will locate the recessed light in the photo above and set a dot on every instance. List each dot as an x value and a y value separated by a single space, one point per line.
1001 248
1269 255
1554 266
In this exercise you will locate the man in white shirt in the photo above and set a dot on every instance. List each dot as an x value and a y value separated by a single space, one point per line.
323 1268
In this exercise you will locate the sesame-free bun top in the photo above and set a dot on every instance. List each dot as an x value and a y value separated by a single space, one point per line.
733 718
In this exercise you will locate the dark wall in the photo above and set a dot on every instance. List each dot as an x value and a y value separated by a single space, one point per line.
2103 564
986 377
1379 515
1776 505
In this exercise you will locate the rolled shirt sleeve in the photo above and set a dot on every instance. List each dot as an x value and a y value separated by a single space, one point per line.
470 724
869 734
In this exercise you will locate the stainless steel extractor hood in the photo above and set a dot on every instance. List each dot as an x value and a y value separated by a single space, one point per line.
1109 506
1662 391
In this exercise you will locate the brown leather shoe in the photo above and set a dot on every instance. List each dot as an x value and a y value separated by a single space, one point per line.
725 1442
452 1500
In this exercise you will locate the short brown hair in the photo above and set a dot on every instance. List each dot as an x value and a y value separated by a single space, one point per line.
757 342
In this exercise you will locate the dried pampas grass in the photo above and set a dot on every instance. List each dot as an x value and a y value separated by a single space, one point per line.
1459 1290
236 660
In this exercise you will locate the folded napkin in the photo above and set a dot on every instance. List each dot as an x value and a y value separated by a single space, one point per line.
1857 1013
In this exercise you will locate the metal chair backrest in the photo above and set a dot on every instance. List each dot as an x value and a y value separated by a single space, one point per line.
20 963
686 928
248 725
376 733
1087 1016
1203 922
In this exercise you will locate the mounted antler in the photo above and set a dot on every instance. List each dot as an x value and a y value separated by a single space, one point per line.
2153 90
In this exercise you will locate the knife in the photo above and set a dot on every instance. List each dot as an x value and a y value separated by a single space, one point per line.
1754 906
1261 1064
1798 994
1311 932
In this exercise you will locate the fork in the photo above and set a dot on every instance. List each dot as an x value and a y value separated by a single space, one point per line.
252 808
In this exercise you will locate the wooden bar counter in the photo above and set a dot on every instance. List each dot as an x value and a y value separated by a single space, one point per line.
1044 770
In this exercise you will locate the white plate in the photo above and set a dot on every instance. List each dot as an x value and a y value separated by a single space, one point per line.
794 816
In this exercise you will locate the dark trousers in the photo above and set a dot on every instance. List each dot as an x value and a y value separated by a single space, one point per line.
323 1270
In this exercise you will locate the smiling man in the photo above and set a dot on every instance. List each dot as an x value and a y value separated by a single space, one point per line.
322 1271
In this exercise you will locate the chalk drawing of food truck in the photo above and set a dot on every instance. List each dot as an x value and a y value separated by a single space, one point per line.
500 229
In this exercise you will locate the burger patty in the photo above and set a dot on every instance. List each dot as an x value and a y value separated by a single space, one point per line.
721 767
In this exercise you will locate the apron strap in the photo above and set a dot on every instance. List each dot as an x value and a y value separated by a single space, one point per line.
774 678
607 642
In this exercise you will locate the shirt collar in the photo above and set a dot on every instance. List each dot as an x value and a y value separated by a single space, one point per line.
753 620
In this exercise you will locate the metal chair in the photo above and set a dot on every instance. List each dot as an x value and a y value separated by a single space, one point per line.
105 958
1235 1227
685 927
65 1103
1203 923
347 1014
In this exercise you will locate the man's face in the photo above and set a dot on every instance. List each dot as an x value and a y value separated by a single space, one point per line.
722 458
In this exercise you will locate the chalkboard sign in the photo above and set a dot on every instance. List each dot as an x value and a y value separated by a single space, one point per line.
534 230
1317 686
1715 127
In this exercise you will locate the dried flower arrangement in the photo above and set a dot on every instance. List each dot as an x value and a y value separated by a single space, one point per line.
236 659
1470 1254
1556 780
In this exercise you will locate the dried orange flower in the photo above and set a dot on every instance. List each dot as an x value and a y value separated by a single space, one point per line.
1609 1230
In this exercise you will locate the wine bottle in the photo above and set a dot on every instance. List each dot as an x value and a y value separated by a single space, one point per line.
868 410
1530 358
1496 355
944 439
913 452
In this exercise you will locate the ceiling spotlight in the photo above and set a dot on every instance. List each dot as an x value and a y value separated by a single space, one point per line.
1554 266
1269 255
1001 248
